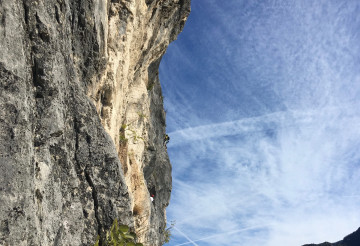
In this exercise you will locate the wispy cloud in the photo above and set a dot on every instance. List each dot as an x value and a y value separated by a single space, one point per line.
263 114
300 177
285 119
221 235
186 236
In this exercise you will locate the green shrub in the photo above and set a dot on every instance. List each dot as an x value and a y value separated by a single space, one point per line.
118 236
141 115
123 139
123 127
150 86
168 231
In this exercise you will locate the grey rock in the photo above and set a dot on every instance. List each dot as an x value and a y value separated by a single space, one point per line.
61 178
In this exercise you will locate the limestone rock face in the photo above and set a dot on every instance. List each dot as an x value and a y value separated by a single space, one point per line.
82 123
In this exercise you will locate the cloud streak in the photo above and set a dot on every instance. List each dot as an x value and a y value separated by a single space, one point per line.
287 119
263 114
221 234
190 241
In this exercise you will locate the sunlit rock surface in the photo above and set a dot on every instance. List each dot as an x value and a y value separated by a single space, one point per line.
82 124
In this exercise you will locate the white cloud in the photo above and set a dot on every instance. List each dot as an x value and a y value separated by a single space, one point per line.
280 165
235 175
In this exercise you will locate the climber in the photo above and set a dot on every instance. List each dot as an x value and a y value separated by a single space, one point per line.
152 194
166 139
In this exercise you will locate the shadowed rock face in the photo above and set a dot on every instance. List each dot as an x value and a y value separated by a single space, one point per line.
351 240
82 123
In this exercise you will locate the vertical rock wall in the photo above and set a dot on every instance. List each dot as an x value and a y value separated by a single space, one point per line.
82 123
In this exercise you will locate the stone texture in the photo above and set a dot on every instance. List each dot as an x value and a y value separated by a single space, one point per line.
351 240
82 123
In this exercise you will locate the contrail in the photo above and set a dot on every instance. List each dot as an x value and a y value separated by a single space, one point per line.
189 239
218 235
254 124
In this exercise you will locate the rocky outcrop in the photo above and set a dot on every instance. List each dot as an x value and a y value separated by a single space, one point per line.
351 240
82 123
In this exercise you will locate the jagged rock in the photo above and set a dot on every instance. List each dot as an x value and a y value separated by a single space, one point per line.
351 240
82 123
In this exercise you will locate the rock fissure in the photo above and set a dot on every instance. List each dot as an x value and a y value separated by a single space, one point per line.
95 200
26 12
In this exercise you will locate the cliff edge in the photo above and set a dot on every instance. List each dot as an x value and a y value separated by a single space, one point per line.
82 124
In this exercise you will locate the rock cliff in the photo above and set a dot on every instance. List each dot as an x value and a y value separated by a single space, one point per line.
82 123
351 240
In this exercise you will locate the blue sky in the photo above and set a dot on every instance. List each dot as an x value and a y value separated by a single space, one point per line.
263 112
